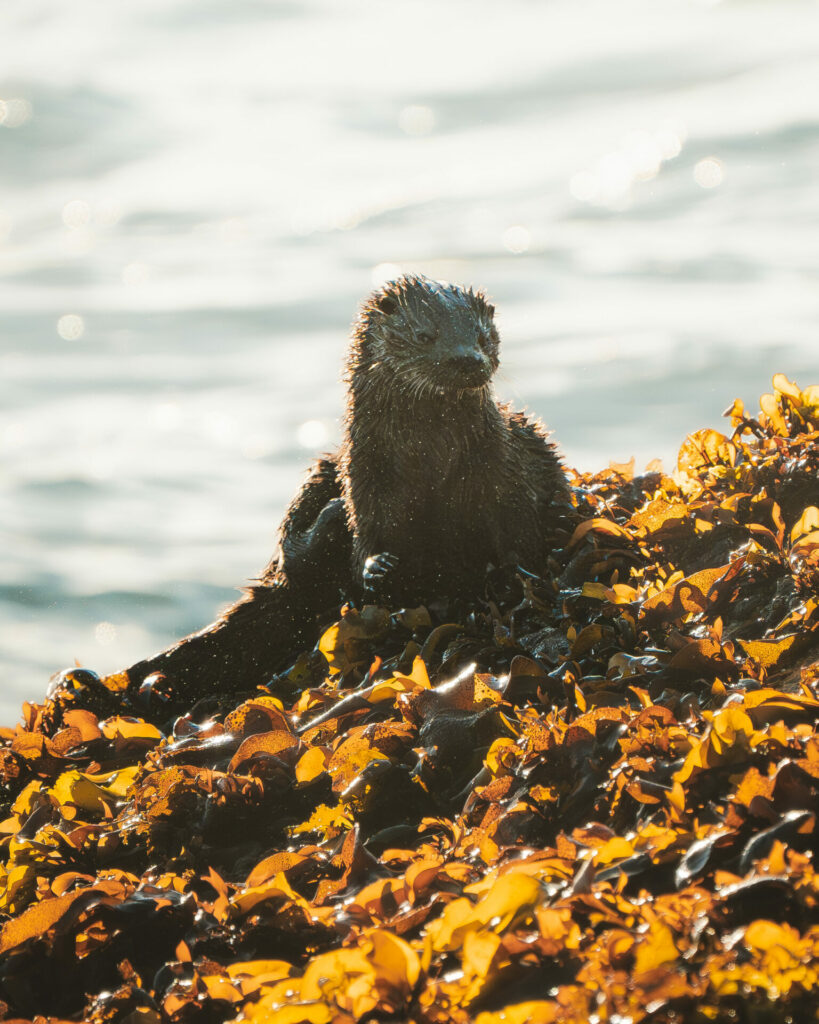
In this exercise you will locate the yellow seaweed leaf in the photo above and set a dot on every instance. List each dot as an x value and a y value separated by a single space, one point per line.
34 921
271 743
330 977
479 952
17 881
597 525
767 703
274 888
419 674
690 595
728 740
806 523
93 792
331 647
557 929
221 989
655 949
117 683
329 821
766 935
771 408
705 448
729 727
251 975
616 848
810 396
132 729
279 1008
267 868
502 756
783 386
311 764
349 759
394 960
447 931
534 1012
513 893
27 799
769 652
259 714
388 689
342 644
659 517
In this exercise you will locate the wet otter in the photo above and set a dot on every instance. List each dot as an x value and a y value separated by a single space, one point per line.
433 480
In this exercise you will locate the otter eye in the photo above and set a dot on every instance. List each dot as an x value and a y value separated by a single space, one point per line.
387 305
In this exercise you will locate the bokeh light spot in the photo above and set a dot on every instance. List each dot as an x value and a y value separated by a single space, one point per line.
670 142
312 434
639 157
642 154
14 112
70 327
76 214
105 633
516 239
615 178
709 173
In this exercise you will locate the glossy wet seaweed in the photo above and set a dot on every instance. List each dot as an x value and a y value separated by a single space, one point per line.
588 796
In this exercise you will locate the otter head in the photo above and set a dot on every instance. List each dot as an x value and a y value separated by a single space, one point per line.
433 338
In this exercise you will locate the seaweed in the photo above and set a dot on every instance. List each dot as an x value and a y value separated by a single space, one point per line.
587 796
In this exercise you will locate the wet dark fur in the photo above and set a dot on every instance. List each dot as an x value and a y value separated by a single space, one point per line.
431 469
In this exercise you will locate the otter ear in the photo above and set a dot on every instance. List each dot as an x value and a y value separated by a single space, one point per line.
387 304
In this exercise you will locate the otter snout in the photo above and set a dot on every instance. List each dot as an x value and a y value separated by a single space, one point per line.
471 367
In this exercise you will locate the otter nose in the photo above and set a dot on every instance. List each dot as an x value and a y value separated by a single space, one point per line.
468 362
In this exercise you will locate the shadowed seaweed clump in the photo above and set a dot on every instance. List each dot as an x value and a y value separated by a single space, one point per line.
593 794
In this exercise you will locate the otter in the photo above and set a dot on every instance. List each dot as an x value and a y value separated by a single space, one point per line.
433 481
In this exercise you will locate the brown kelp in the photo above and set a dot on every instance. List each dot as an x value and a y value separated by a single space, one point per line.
591 796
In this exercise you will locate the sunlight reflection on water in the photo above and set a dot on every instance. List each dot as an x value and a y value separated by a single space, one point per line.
195 197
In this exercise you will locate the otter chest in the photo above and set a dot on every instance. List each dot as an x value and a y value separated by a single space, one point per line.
457 506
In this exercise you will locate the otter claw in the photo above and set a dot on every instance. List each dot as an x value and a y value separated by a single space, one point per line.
376 569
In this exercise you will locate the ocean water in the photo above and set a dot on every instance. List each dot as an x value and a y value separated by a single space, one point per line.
194 195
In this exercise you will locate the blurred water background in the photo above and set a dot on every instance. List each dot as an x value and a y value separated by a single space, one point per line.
194 194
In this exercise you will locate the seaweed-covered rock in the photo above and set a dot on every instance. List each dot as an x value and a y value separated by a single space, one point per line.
588 796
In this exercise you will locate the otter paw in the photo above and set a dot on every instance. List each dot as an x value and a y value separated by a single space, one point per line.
376 572
333 513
